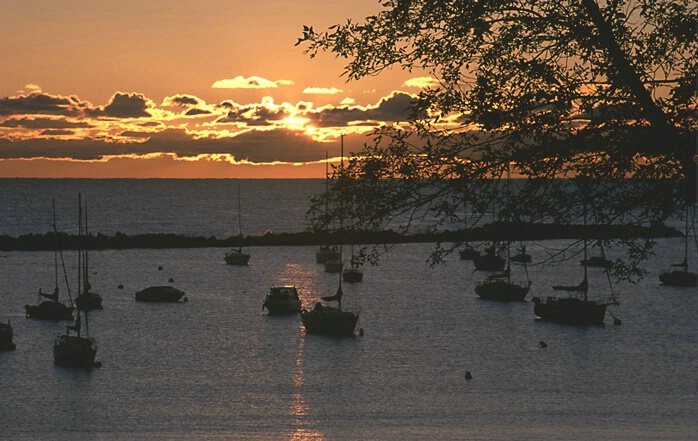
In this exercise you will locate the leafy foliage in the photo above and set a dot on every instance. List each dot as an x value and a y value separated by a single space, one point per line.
559 93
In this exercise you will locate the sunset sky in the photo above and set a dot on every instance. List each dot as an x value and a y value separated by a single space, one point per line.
182 88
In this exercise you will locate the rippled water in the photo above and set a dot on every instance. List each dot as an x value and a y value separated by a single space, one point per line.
218 368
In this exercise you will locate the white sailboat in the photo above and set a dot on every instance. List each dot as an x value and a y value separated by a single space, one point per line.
235 256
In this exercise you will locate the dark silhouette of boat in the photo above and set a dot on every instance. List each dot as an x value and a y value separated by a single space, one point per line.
597 261
51 308
6 337
681 277
329 320
490 261
499 287
282 300
578 308
326 253
159 294
236 256
88 299
352 275
77 351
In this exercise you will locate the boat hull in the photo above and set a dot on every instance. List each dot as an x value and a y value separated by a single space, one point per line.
334 266
88 301
570 310
679 278
502 291
237 258
329 321
6 336
489 262
74 351
352 275
282 301
159 294
469 254
49 310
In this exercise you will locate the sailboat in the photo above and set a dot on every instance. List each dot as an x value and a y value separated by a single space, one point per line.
575 310
499 286
77 350
329 320
681 277
51 308
87 299
352 274
235 256
491 260
327 252
6 336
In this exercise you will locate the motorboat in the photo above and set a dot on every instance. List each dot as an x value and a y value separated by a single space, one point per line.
282 300
160 294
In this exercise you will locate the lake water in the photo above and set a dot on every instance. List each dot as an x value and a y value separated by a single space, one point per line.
218 368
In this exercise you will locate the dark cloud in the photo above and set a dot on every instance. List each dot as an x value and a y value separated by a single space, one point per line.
57 132
254 115
125 105
196 112
44 123
183 101
43 104
393 108
255 146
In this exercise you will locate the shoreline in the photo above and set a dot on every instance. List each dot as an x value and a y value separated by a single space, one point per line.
521 231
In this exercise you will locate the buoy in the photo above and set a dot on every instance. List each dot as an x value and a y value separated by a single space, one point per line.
468 375
171 280
616 320
160 268
542 344
120 286
361 332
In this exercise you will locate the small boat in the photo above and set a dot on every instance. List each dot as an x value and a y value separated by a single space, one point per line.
522 256
489 261
334 266
88 299
74 351
680 277
51 308
326 253
6 336
597 261
352 275
468 253
499 287
160 294
235 256
329 320
578 309
282 300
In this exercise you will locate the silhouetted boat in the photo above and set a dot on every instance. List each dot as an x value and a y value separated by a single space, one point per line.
159 294
681 277
235 256
490 261
326 253
352 275
577 309
329 320
6 336
597 261
282 300
75 350
87 299
51 308
522 256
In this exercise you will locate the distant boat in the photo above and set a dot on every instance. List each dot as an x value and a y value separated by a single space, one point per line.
329 320
681 277
75 350
235 256
159 294
522 256
51 308
326 253
597 261
352 275
578 309
499 286
87 299
334 265
490 261
282 300
6 336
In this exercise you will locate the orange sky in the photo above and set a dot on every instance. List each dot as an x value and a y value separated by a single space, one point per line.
127 88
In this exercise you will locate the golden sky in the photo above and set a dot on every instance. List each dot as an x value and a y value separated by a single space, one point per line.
175 88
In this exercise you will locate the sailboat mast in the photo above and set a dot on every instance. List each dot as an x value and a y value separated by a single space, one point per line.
55 243
239 219
584 210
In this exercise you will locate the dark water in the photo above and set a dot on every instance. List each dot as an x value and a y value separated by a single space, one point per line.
217 368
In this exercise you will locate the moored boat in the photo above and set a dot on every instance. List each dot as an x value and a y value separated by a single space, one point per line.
160 294
6 336
282 300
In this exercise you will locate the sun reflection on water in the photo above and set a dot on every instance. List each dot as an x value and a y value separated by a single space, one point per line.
304 426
